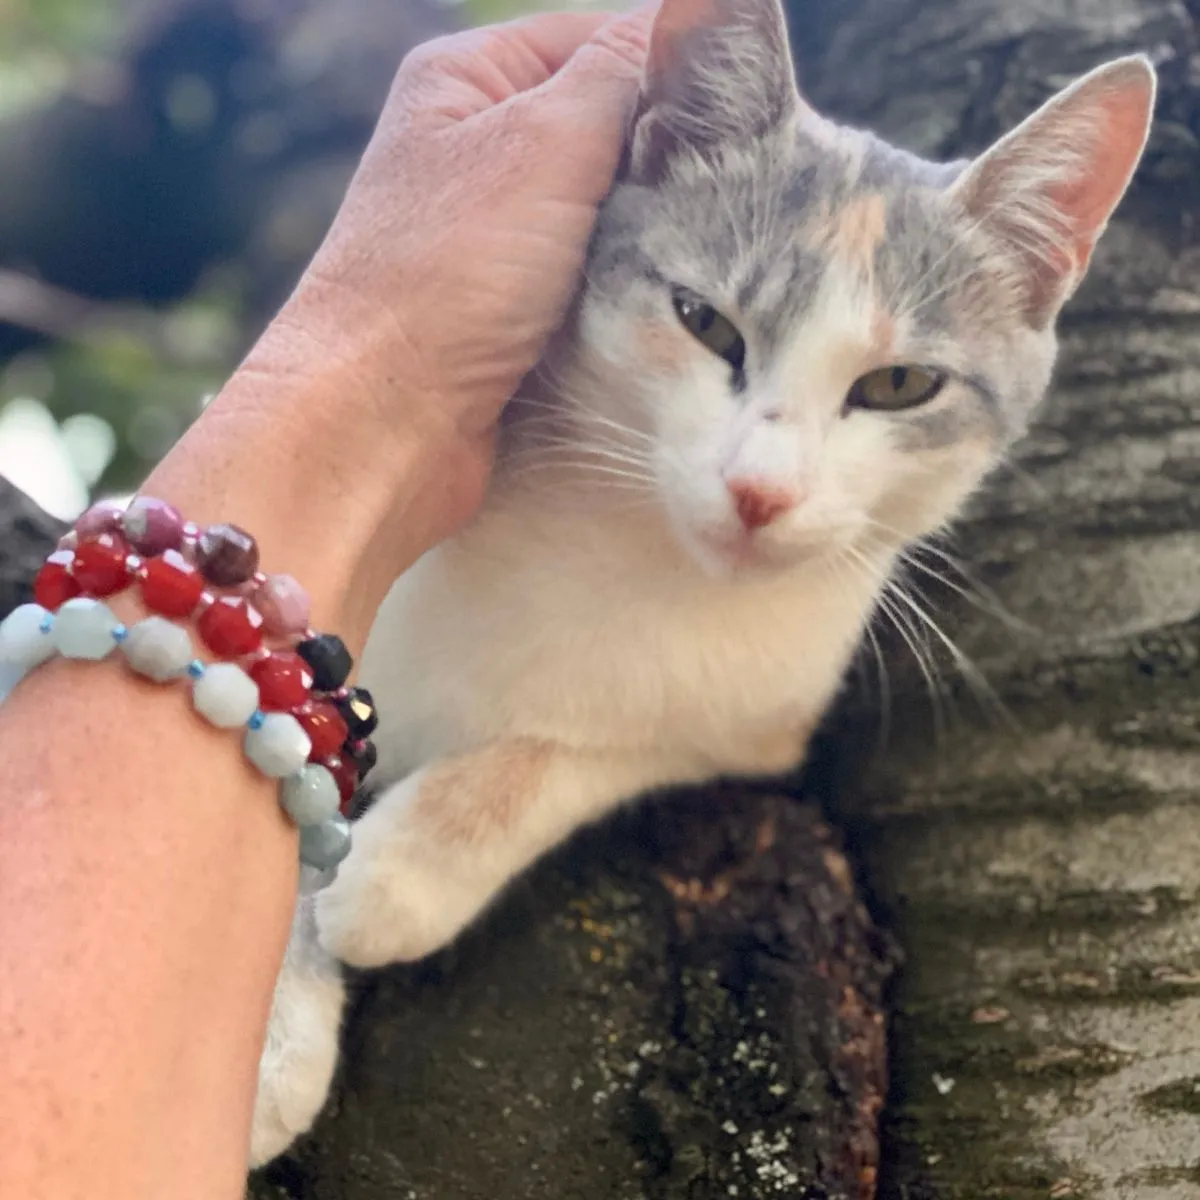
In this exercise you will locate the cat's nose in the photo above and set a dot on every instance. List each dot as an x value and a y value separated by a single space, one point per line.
758 503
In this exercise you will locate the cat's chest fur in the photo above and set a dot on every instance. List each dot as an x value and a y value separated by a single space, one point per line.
585 625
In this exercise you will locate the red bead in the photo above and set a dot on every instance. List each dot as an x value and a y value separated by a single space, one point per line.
99 566
54 584
325 728
345 775
284 681
231 627
171 585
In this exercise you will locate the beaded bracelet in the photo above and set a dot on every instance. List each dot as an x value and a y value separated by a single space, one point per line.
303 726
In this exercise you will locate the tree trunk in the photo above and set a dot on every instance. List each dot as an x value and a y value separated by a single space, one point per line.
1041 866
687 1002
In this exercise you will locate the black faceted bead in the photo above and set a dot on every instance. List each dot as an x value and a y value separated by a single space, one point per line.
363 755
358 711
329 659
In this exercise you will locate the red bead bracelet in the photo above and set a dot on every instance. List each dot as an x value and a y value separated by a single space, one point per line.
211 576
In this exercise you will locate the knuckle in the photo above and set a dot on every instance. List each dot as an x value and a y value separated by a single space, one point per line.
436 56
625 41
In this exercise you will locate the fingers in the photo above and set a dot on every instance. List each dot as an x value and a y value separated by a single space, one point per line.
504 59
604 72
553 38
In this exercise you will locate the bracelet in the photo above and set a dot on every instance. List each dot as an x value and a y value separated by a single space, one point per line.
303 725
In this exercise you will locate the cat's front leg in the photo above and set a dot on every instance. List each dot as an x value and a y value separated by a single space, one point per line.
436 847
301 1048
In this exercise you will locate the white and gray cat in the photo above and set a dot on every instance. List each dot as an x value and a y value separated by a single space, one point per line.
797 350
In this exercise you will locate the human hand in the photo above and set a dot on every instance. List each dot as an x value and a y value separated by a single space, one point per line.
459 244
359 429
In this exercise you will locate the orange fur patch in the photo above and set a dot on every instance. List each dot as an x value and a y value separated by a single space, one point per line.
859 229
463 798
883 334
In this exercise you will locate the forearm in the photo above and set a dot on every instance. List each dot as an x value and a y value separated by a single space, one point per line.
146 871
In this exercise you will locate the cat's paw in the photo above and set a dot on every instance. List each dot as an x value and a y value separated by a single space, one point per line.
390 908
301 1049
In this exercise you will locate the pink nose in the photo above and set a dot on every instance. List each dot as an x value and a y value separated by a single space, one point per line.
759 504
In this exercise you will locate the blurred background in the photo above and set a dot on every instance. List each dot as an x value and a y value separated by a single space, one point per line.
166 169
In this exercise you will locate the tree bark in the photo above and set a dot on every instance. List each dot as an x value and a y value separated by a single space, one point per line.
1041 867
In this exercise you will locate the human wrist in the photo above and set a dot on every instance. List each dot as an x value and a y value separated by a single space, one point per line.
271 453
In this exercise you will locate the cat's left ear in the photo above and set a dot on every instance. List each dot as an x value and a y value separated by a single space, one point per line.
718 73
1045 192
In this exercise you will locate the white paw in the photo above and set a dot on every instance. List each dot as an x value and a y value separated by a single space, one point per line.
392 906
301 1049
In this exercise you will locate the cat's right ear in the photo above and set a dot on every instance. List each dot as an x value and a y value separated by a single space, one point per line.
718 72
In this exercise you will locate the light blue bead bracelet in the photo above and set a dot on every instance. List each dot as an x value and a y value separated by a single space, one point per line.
276 743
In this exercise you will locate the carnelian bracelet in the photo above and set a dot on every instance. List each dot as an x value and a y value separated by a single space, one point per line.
273 676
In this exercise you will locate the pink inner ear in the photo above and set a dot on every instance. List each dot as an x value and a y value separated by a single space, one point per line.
1087 200
1047 190
674 20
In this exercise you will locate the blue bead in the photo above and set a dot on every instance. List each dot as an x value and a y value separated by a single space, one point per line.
83 629
324 846
120 633
195 668
257 717
23 637
310 796
47 623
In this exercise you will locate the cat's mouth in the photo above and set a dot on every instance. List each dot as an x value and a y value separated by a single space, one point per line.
732 553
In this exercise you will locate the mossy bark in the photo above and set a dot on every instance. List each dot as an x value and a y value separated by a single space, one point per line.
683 1005
1040 865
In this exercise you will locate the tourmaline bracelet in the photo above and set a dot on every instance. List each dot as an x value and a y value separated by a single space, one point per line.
302 725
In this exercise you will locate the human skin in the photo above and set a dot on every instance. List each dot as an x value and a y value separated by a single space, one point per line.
146 873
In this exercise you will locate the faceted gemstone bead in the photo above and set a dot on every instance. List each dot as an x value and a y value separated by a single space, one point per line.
25 641
329 659
310 796
152 526
83 628
171 585
227 555
324 726
364 756
231 627
325 845
284 681
103 517
278 747
54 584
345 773
99 567
158 649
284 605
313 879
358 711
225 695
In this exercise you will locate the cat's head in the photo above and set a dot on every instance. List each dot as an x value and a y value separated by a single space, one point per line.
823 341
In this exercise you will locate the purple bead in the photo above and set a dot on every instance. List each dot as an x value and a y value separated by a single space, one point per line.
284 606
102 517
152 526
226 555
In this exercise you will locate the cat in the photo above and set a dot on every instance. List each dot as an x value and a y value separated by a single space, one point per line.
796 350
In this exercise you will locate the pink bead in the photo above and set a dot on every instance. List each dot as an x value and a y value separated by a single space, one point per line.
152 526
284 606
102 517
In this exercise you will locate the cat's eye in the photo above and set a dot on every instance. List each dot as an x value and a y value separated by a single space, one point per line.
891 389
710 328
